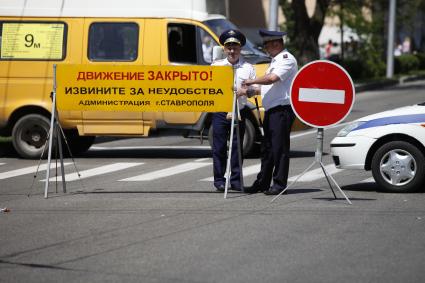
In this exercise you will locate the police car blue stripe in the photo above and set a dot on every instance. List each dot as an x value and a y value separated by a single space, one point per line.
404 119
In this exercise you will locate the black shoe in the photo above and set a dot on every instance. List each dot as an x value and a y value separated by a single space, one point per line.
253 189
234 188
272 192
220 188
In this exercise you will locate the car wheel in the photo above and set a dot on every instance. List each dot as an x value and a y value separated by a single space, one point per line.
399 167
29 136
248 140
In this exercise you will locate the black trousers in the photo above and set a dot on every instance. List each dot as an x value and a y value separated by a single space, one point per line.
221 134
275 148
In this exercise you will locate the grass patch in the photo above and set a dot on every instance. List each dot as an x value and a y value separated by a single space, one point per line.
5 139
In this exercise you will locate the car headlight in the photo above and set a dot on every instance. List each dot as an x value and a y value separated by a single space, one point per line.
347 129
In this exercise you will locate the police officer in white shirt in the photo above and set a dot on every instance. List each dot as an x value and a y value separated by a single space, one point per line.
278 118
232 41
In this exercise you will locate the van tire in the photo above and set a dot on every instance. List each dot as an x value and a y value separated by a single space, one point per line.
249 138
29 135
248 141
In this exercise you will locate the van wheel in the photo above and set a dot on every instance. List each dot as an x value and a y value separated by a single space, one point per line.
248 140
399 167
29 136
249 137
78 144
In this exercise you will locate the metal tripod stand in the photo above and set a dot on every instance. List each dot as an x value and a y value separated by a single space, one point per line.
318 160
234 124
56 135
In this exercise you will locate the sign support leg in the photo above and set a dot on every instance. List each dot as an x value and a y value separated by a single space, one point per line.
54 133
317 159
51 134
59 135
229 155
327 178
240 157
235 115
49 161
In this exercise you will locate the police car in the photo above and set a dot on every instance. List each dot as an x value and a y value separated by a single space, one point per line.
390 143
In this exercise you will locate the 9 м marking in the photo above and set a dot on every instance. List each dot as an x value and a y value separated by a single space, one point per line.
29 39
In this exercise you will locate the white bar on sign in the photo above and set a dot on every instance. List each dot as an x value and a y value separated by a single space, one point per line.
322 95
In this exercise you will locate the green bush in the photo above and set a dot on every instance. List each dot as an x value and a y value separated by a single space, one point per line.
360 69
405 63
354 67
421 58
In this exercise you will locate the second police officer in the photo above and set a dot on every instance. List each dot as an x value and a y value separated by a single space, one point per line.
278 117
232 41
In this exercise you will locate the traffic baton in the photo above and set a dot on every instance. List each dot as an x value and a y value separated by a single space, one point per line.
259 116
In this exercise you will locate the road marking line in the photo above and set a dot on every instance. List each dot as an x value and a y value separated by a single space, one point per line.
2 163
28 170
209 179
174 170
312 175
368 180
148 147
98 171
318 95
247 171
316 174
313 131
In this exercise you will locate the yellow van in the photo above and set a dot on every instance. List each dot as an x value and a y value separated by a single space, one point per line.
37 34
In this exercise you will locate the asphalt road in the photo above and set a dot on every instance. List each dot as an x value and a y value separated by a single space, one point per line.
144 210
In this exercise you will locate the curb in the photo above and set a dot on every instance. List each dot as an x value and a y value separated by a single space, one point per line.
386 82
411 78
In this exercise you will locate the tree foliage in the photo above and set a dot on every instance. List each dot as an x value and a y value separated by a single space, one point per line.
367 18
303 31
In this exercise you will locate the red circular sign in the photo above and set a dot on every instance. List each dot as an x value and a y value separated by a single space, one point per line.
322 94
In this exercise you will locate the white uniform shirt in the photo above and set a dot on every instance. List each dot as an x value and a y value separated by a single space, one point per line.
244 71
284 65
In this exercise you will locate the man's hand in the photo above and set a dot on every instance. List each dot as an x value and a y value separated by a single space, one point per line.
247 82
242 91
248 91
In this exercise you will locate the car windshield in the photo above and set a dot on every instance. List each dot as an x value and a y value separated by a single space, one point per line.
249 52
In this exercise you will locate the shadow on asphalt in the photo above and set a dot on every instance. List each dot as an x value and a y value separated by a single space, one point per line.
147 153
361 187
301 191
7 150
232 193
343 199
33 265
151 192
166 152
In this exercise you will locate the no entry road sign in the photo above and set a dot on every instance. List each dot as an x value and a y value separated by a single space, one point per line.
322 94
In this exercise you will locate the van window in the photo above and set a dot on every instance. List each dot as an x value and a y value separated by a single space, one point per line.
208 44
32 40
113 41
182 43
